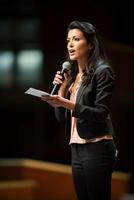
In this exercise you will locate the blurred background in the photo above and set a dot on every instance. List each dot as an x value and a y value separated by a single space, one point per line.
33 48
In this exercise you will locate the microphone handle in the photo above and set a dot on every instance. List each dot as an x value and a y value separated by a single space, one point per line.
55 89
57 86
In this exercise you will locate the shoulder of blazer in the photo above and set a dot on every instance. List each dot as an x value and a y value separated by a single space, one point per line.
99 68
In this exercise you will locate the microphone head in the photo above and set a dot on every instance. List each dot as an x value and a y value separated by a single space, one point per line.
66 66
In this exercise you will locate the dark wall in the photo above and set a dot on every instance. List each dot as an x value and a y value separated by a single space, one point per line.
28 126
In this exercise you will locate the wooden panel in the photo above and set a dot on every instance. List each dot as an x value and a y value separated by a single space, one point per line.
54 180
120 184
18 190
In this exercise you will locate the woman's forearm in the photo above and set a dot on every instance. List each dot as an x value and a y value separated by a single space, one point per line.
68 104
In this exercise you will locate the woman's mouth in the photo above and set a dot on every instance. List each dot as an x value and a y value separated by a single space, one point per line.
71 52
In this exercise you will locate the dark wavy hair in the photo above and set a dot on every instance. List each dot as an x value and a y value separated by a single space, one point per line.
97 53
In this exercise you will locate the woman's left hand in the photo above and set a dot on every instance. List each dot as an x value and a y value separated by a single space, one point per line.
54 100
58 101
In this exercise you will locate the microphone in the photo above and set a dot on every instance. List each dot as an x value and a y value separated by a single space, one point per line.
66 66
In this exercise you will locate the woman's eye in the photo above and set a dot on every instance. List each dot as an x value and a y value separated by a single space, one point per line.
77 39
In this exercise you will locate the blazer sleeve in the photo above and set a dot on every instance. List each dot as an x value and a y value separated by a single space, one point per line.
60 114
104 81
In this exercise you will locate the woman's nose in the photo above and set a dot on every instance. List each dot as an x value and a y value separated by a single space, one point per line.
70 43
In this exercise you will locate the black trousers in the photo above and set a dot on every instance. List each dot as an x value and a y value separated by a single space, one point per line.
92 167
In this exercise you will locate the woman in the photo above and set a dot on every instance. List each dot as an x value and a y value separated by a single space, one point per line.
84 101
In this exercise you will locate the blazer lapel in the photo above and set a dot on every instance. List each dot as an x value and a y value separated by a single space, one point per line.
80 92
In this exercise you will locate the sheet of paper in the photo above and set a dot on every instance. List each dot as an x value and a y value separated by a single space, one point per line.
35 92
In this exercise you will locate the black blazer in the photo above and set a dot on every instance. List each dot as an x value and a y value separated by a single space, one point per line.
92 105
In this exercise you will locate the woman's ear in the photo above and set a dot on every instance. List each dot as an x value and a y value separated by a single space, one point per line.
90 47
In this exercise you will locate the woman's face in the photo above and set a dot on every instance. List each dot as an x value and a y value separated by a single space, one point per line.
78 48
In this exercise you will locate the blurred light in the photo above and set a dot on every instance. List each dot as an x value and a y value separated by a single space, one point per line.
6 66
29 67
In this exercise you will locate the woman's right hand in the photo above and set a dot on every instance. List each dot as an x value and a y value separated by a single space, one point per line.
59 79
